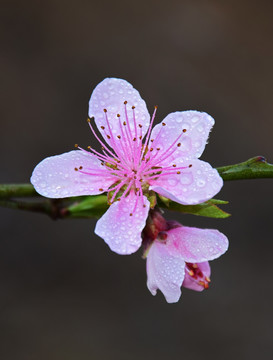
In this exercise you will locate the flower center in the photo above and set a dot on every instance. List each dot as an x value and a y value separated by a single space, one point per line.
132 164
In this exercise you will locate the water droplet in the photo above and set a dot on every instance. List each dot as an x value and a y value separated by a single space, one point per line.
172 181
195 119
186 179
201 182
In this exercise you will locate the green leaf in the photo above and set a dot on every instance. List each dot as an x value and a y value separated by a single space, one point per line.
89 206
207 209
253 168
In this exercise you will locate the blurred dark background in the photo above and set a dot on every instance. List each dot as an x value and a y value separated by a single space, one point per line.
63 294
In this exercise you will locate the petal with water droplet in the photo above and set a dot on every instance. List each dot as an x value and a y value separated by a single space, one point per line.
196 126
193 185
110 94
55 176
121 231
165 271
197 245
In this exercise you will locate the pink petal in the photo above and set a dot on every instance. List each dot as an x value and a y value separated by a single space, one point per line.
197 245
193 185
165 271
110 94
121 231
55 176
191 283
193 141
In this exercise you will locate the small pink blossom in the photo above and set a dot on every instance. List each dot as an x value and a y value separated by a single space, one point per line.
135 160
180 256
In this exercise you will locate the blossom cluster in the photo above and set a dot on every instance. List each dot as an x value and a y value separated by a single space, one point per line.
136 162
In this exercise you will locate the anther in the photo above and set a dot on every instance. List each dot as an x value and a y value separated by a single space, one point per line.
140 125
76 145
102 127
105 110
137 189
152 140
88 147
156 106
100 189
134 139
108 137
151 149
118 199
88 120
124 123
163 124
207 279
190 165
174 165
140 137
80 167
131 214
202 283
133 107
178 172
179 144
125 102
184 130
76 169
102 148
157 149
118 115
191 272
118 136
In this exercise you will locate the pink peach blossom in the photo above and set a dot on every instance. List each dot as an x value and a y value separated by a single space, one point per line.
135 159
180 256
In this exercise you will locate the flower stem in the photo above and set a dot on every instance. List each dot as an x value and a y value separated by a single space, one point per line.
16 190
254 168
47 206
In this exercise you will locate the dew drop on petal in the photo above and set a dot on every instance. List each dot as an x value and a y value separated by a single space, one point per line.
186 179
195 119
172 181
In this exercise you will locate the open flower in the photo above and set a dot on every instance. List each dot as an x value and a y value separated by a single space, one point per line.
131 165
179 256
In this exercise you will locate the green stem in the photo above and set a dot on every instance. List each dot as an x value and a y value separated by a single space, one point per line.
254 168
16 190
47 206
